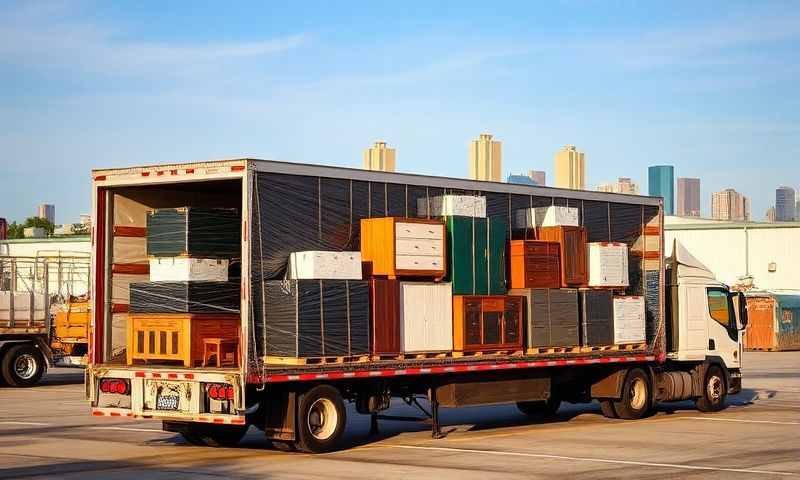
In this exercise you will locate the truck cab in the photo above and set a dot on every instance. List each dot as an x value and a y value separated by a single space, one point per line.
705 319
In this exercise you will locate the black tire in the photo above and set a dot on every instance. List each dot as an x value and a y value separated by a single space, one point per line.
207 435
540 408
607 407
23 366
636 393
715 391
321 420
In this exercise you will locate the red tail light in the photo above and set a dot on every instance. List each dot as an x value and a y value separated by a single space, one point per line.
220 391
115 385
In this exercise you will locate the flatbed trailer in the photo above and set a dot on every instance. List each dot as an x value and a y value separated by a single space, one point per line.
302 406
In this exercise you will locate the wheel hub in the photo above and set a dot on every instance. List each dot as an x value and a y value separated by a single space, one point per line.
714 388
25 366
638 394
322 418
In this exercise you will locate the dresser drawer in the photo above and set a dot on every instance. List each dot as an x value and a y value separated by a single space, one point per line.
418 262
419 246
419 230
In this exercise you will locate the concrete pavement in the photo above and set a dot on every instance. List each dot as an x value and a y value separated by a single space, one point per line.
46 432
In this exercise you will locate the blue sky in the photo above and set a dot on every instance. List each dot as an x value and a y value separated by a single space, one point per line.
710 87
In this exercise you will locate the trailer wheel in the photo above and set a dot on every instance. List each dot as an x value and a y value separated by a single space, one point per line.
715 391
607 407
321 419
635 401
541 408
23 366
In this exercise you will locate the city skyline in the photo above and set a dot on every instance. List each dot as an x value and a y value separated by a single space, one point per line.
486 158
661 183
688 200
569 165
296 84
785 204
379 157
730 205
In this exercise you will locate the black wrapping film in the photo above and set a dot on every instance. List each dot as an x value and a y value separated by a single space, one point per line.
336 214
360 195
197 232
497 205
653 321
597 317
414 195
377 199
626 223
595 219
395 200
185 297
317 318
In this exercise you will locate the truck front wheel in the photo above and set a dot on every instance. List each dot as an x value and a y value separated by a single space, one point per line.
715 391
321 419
23 366
635 401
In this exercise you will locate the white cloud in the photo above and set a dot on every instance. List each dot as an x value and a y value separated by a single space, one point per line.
47 36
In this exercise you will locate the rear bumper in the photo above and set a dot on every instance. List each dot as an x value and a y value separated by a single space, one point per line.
144 385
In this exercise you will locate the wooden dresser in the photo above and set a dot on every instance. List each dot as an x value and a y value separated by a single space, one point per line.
535 264
403 247
574 272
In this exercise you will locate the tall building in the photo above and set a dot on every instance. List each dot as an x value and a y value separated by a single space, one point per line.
570 168
47 212
485 159
3 229
520 179
661 183
378 157
730 205
784 204
688 197
770 214
623 185
797 211
538 177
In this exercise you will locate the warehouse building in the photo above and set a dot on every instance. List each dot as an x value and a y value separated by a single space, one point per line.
759 255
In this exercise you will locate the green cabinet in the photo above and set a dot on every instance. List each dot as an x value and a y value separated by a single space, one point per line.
476 255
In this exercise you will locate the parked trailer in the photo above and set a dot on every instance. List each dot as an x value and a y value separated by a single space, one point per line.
692 348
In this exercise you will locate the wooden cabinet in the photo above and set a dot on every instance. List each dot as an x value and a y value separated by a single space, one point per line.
535 264
385 313
482 323
403 247
176 337
476 255
572 240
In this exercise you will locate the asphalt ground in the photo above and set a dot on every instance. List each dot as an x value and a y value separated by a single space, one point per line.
47 432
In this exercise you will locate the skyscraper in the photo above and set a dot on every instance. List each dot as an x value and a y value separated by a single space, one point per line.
570 168
48 212
623 185
688 197
378 157
538 177
784 204
661 183
485 159
730 205
520 179
770 214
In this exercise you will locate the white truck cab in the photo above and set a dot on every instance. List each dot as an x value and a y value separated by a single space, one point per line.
705 318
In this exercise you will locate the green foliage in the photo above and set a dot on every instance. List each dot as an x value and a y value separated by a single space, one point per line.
17 230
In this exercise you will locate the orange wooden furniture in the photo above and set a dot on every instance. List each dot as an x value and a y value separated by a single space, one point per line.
760 333
574 270
535 264
224 350
485 323
404 247
176 337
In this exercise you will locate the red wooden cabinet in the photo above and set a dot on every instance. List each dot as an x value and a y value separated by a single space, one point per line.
385 313
535 264
572 241
482 323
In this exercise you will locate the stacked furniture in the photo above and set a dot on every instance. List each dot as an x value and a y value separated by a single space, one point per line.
190 298
552 259
487 323
411 308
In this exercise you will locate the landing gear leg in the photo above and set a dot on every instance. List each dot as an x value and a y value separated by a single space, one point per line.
373 423
436 428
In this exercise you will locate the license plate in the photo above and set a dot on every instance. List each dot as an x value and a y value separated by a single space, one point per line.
167 402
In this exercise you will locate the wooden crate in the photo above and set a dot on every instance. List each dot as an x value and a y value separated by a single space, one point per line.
73 324
486 323
404 247
175 337
572 241
535 264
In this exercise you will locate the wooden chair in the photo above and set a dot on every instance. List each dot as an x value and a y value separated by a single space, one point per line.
220 348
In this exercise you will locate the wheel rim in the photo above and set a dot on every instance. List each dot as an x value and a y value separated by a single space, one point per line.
25 366
638 394
714 388
322 418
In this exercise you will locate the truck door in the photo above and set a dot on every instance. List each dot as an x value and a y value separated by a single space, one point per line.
723 335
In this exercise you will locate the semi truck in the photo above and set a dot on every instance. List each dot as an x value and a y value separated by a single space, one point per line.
693 332
41 323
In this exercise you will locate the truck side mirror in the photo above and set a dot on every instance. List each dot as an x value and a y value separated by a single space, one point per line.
741 322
